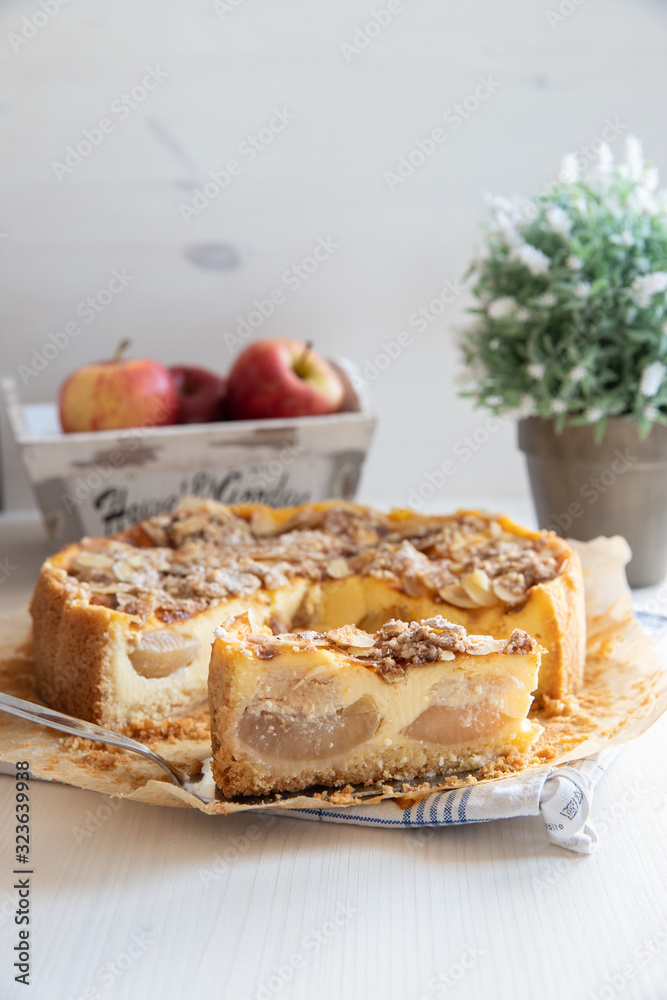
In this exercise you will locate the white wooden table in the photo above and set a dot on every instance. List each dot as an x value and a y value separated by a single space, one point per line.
130 901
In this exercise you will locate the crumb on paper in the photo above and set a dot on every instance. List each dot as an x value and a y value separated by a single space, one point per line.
195 726
343 797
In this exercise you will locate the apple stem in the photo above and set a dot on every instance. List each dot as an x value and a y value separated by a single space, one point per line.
298 367
122 347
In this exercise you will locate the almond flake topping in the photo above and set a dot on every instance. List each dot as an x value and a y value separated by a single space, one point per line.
390 652
204 551
350 635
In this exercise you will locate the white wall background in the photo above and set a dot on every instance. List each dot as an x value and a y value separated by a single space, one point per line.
229 64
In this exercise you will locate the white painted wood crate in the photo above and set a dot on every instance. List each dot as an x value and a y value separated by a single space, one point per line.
101 482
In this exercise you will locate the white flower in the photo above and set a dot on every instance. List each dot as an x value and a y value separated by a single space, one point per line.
502 307
494 344
477 369
605 159
560 221
526 406
536 371
522 315
577 373
626 239
651 379
532 258
558 406
530 211
580 203
569 169
498 202
648 285
651 412
548 300
645 201
634 157
581 289
594 414
505 228
574 263
651 179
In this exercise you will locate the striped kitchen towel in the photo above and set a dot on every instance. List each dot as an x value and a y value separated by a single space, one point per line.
562 795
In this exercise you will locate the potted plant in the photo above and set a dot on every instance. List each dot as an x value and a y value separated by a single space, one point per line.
570 337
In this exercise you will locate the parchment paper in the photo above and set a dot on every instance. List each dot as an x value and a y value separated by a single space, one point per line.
625 692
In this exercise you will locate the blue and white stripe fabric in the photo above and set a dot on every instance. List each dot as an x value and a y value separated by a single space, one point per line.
561 794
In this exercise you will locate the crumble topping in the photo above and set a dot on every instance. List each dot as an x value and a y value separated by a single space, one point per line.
390 651
177 564
398 645
520 642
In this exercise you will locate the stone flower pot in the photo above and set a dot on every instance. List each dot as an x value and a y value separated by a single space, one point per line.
618 487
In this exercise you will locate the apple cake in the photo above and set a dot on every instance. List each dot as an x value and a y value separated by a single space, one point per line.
123 625
346 707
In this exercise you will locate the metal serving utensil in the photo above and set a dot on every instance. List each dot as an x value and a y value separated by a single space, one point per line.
89 731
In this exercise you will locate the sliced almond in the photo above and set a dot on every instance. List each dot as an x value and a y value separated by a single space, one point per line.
92 560
243 626
160 653
456 595
123 571
350 635
457 567
413 586
302 640
446 654
338 569
509 591
482 645
263 523
478 587
155 534
178 569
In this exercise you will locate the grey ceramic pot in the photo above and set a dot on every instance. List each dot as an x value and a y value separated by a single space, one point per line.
618 487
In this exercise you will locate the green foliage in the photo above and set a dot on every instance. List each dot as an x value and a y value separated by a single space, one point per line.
571 299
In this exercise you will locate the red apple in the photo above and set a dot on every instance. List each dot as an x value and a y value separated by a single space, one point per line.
137 392
282 378
201 393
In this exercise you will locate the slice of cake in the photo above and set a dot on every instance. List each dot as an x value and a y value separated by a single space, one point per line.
123 626
412 700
